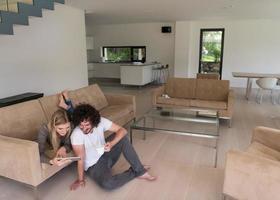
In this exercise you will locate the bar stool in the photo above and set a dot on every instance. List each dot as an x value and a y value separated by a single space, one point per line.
166 73
158 75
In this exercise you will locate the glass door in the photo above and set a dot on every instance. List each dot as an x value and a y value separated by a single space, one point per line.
211 51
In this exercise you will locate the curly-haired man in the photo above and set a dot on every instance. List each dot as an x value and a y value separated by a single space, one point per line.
99 155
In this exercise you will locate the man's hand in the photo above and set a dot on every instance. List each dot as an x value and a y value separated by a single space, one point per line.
61 152
108 146
77 184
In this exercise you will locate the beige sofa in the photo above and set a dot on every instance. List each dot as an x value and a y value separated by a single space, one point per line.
201 93
254 174
19 123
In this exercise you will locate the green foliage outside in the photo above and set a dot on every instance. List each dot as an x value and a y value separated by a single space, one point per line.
213 50
118 55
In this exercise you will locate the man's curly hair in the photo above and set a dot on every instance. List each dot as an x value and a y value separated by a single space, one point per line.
86 112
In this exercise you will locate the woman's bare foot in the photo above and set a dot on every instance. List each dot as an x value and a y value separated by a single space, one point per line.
65 94
147 177
62 103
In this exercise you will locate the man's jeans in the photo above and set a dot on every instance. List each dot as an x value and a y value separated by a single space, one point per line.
101 171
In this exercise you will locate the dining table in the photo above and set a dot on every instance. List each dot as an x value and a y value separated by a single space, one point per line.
250 76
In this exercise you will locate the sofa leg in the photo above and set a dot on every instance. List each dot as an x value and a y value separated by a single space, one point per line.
229 122
130 130
144 132
36 194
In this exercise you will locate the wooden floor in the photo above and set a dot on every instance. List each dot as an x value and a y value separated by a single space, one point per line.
184 165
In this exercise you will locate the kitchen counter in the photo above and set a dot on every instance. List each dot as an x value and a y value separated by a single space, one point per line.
124 63
112 70
137 74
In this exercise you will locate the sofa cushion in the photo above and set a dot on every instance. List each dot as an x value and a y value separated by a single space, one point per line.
22 120
209 89
219 105
263 151
49 104
181 88
173 101
115 112
92 95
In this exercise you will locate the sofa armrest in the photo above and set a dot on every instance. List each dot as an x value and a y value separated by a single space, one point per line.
251 177
118 99
267 136
156 93
20 160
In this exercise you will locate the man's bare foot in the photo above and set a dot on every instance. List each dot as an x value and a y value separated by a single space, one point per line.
147 177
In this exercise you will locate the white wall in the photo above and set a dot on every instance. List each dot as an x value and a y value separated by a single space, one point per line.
249 46
182 49
47 56
159 46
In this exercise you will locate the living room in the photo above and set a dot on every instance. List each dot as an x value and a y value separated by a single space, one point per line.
50 55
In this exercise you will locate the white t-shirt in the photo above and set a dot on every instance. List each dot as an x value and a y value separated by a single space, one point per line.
93 140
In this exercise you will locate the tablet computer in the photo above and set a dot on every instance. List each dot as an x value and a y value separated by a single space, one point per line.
70 158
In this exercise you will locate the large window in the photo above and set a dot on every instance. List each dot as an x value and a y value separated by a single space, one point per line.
124 54
211 51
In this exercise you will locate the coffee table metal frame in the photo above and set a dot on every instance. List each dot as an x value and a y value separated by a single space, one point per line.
211 118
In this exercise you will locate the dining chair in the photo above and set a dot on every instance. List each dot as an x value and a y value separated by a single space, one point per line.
266 84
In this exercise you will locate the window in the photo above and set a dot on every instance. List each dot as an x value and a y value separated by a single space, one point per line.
211 51
125 54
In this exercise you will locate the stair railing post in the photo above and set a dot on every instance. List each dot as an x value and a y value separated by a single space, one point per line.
7 1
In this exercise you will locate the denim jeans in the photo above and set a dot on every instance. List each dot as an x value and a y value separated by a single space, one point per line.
101 171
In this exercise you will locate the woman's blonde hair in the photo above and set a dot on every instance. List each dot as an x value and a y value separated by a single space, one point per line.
59 117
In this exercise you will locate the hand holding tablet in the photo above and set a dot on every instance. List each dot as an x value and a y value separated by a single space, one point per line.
69 158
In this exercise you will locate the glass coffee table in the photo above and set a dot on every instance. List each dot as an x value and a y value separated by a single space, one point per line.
189 122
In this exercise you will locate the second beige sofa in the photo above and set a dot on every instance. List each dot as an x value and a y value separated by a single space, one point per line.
199 93
254 174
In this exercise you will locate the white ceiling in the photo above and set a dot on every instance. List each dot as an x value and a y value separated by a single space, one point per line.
132 11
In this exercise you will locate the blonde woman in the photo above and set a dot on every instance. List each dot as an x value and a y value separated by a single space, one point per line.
54 139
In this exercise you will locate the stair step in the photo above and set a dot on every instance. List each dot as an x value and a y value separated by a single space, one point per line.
6 28
47 4
31 10
60 1
14 18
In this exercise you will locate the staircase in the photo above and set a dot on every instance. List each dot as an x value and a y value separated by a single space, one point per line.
17 12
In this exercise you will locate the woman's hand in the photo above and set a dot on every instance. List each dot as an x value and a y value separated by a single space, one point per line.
77 184
61 152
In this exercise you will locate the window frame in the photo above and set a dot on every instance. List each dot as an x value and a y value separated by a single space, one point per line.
222 48
131 53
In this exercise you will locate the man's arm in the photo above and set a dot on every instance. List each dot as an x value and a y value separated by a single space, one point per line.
79 151
120 133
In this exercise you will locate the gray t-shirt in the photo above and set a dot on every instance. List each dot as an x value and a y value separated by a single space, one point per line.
44 142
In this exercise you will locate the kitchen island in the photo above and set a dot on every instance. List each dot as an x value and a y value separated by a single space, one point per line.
137 74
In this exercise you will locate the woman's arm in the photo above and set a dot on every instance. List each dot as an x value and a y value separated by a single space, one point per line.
67 144
42 140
